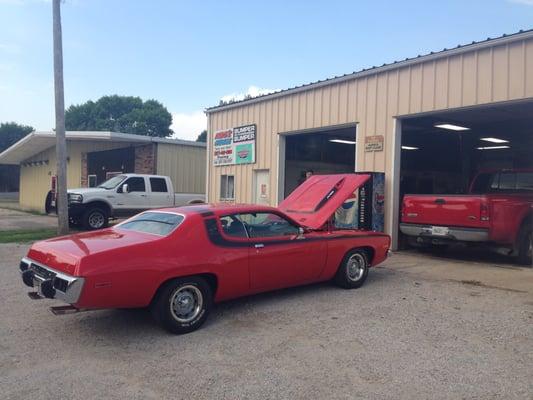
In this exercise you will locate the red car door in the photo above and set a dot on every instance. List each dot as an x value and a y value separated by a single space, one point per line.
278 255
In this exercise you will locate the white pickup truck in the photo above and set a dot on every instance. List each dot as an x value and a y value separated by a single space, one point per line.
124 195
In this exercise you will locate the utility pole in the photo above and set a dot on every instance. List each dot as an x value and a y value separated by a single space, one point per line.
61 141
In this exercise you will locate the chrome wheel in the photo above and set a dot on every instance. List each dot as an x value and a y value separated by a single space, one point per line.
186 303
356 267
96 220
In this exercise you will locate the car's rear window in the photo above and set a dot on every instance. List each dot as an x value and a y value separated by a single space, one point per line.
158 223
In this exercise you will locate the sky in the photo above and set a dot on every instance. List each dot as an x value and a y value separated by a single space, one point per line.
190 54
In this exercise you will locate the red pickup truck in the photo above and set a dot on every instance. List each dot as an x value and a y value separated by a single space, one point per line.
498 211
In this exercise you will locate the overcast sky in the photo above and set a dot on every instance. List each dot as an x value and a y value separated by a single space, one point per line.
190 54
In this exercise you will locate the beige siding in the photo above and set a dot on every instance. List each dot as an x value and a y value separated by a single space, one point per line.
35 180
494 74
184 164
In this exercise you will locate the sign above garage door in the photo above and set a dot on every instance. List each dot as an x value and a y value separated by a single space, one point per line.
374 143
235 146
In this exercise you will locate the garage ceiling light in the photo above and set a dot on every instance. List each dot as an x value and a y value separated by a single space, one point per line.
494 140
493 147
452 127
409 148
342 141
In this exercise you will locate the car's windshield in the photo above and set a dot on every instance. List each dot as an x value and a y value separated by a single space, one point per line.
158 223
112 182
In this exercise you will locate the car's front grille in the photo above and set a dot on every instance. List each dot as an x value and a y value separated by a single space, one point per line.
42 272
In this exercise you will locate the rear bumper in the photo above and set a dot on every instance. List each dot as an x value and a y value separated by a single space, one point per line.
454 233
50 283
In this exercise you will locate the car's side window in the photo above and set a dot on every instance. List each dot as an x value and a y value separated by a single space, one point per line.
136 184
233 226
264 224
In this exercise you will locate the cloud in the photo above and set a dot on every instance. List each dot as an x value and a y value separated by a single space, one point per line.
253 91
188 126
525 2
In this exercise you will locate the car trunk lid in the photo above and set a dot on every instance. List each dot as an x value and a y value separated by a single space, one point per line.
64 253
449 210
313 202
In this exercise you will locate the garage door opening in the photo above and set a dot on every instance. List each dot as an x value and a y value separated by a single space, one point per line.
328 151
102 165
442 153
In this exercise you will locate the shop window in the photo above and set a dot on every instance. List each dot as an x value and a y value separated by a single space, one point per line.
227 187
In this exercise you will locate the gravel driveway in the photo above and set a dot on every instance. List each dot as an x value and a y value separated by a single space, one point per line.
402 335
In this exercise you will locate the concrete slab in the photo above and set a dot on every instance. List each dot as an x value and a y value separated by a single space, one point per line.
12 220
499 273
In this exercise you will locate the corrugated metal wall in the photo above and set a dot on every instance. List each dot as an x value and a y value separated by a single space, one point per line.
35 180
486 75
185 165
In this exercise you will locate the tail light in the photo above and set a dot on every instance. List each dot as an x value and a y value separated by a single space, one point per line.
484 212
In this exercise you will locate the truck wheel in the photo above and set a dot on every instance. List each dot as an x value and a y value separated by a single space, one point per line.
182 305
353 270
525 245
95 218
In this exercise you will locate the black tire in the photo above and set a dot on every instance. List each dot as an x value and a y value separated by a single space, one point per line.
524 245
349 277
166 306
94 218
48 203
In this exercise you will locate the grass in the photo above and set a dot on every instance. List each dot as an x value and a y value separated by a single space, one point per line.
26 235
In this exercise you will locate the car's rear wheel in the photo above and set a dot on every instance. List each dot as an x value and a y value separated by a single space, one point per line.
95 218
182 305
353 270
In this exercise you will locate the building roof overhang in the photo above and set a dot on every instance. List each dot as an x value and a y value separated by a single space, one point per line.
39 141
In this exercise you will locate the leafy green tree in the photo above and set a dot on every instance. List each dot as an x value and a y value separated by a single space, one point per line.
11 132
125 114
202 137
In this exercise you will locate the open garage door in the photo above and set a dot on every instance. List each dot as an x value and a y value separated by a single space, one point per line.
324 151
441 153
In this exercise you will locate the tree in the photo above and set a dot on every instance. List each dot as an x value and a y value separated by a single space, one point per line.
202 137
125 114
11 132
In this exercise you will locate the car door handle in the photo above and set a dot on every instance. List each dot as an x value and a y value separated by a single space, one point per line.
259 245
440 201
143 195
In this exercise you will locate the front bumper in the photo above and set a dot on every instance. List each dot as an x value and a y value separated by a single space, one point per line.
50 283
453 233
76 210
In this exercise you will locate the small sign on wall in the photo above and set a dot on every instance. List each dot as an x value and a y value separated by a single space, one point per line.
374 143
235 146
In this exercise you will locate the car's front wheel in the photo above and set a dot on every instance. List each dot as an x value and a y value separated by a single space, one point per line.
182 305
353 270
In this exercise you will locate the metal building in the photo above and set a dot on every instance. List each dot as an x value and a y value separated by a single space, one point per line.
96 156
403 119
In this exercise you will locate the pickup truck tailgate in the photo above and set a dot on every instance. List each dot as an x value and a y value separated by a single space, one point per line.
448 210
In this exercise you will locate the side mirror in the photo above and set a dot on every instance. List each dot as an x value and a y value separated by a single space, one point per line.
125 188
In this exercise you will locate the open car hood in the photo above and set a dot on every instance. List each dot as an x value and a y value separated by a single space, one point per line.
313 202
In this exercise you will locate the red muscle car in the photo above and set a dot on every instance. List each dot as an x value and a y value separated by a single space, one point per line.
179 261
